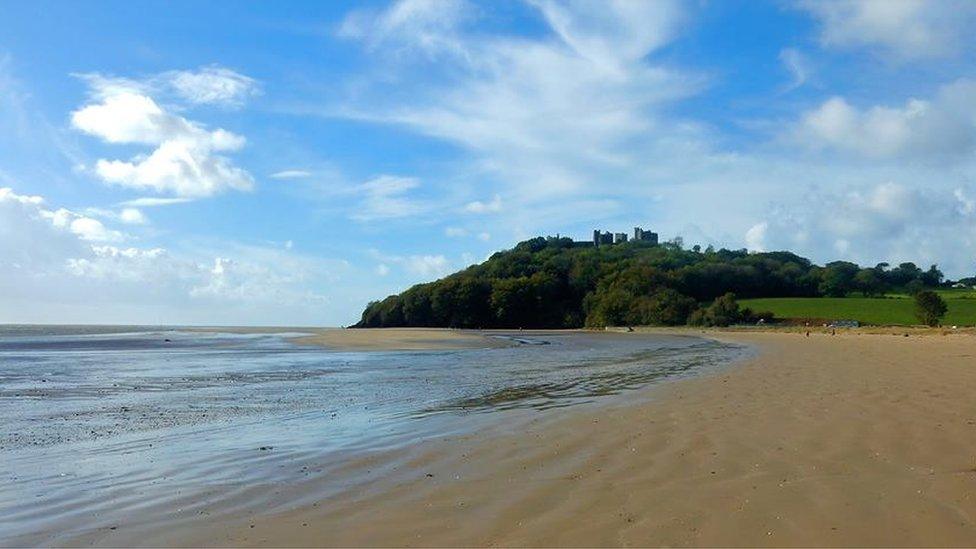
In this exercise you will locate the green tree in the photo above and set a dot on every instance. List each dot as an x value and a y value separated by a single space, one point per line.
610 308
932 277
869 283
724 311
930 307
558 283
914 286
416 306
903 273
837 278
665 307
512 301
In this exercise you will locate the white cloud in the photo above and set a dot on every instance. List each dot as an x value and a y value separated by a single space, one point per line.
427 25
148 202
57 265
186 160
7 195
30 241
459 232
382 269
92 229
86 228
127 117
797 65
540 115
236 280
427 266
908 29
118 264
613 32
423 266
890 221
385 197
578 123
291 174
133 216
28 229
212 85
479 207
944 126
756 237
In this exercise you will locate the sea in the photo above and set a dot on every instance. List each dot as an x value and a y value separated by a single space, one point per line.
105 425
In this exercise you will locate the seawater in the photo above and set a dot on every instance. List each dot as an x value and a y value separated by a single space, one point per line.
97 421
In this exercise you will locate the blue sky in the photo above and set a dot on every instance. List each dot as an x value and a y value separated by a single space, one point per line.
269 163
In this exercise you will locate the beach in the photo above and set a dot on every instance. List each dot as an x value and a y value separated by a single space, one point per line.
747 437
398 339
136 435
852 439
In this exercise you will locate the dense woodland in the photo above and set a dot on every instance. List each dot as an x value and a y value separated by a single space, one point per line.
552 283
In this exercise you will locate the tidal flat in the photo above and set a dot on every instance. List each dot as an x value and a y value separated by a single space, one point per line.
147 435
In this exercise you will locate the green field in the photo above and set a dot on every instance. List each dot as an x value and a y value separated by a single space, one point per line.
891 310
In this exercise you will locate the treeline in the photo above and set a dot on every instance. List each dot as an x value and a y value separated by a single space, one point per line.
552 283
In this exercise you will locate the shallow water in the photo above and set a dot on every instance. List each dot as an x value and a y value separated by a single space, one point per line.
101 422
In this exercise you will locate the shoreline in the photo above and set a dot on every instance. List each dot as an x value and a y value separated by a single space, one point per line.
398 339
853 439
274 426
374 339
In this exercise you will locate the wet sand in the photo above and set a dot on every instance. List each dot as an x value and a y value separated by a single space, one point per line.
134 436
822 440
397 339
371 339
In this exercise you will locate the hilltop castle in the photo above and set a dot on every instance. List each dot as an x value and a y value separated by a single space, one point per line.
607 238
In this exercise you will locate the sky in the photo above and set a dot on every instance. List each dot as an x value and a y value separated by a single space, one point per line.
284 163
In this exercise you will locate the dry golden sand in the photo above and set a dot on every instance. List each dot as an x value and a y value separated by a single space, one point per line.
389 339
821 440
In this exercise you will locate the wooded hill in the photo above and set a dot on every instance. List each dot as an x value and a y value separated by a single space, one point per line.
554 283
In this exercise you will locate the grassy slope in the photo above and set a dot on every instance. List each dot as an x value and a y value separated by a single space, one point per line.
895 309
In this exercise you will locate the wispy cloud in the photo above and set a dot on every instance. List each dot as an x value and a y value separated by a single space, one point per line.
478 207
425 266
428 26
797 65
545 115
213 85
291 174
386 197
148 202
